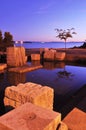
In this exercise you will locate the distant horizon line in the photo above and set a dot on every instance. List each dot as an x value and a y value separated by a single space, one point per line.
28 41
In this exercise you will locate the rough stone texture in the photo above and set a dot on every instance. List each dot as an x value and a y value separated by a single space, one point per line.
52 55
76 120
60 56
3 66
29 92
25 68
49 55
35 57
16 56
30 117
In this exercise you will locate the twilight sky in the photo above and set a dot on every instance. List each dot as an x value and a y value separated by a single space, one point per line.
36 20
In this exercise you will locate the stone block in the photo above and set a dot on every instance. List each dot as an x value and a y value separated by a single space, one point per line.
16 56
30 117
11 103
76 120
29 92
60 56
46 49
49 55
35 57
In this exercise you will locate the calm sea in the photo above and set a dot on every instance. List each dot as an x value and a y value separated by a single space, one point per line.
50 44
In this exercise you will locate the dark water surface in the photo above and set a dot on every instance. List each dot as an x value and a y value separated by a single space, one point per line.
66 80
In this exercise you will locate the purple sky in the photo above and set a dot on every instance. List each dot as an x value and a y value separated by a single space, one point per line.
35 20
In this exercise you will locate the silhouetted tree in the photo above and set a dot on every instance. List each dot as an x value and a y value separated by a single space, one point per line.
1 41
65 34
8 40
5 41
1 38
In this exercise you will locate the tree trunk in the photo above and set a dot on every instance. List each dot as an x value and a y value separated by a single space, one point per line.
65 45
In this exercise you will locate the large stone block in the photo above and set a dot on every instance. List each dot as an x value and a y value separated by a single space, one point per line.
16 56
30 117
76 120
29 92
60 56
35 57
49 55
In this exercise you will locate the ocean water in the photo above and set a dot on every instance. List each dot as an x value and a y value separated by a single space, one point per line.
50 44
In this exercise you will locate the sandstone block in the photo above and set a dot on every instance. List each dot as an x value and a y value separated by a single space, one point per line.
60 56
49 55
16 56
76 120
30 117
29 92
35 57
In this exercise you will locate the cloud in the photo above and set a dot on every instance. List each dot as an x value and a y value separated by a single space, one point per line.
44 8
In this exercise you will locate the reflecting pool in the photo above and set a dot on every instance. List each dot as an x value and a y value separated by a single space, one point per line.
65 79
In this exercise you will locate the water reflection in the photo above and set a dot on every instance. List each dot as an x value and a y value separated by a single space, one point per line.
65 74
35 63
52 65
16 78
65 79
